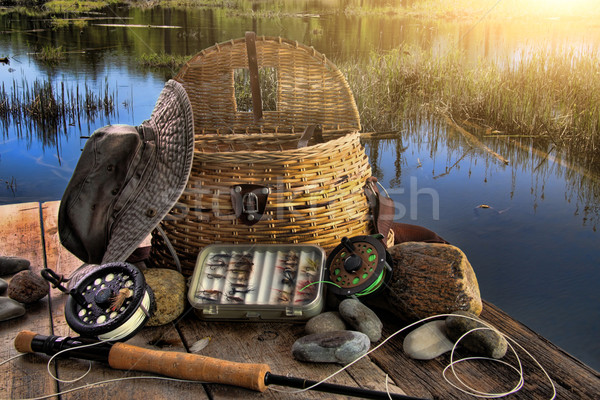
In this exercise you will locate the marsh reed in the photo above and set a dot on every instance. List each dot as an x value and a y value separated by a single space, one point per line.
163 60
51 105
550 94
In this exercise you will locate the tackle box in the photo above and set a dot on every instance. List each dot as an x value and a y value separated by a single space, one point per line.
258 282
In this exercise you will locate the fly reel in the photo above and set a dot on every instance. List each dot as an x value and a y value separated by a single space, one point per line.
359 266
111 302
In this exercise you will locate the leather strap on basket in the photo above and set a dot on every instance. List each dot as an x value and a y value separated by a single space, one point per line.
382 209
254 79
309 132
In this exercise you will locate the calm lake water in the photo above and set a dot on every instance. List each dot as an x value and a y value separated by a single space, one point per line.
536 250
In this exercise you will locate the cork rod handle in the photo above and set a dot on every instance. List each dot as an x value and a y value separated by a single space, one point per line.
188 366
169 363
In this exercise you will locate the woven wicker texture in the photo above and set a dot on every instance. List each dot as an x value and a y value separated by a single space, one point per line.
310 89
316 192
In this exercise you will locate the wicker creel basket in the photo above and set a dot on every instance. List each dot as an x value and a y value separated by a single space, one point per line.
258 176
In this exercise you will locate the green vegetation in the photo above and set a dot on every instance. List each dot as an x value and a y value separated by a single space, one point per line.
163 60
80 23
50 105
50 55
547 94
77 6
59 23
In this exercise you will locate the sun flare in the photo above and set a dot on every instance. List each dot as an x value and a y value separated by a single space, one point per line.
557 8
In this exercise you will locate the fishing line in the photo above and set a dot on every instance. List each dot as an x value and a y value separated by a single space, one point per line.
479 20
472 391
450 365
109 302
89 385
12 358
132 324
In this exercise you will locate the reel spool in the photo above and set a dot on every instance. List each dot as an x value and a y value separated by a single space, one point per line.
359 266
112 302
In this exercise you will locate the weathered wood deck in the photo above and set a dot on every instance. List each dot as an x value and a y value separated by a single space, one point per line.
30 230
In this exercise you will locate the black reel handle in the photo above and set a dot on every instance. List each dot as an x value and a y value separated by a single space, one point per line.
56 280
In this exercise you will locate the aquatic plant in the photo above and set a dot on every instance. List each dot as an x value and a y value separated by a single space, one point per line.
163 60
59 23
77 6
50 54
49 106
80 23
551 94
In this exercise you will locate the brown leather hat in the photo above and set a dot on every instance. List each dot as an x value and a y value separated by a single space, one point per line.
126 181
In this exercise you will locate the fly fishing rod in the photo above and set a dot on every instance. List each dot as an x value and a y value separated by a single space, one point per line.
183 365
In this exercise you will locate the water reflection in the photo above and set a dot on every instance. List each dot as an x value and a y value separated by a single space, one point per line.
449 150
541 198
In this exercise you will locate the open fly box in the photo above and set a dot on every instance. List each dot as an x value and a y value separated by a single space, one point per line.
258 282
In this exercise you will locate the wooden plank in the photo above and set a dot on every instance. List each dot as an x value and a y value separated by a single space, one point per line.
271 343
573 380
63 262
21 236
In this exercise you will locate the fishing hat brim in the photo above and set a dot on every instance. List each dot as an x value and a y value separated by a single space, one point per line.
127 179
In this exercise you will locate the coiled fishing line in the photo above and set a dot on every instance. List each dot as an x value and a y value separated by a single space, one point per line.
469 391
133 324
359 266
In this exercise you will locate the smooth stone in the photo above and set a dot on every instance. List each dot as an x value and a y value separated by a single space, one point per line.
427 341
3 285
11 265
28 287
484 343
429 279
326 322
169 291
331 347
10 308
361 318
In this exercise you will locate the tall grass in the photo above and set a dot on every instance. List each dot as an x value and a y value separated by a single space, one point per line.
50 54
476 9
49 106
163 60
553 94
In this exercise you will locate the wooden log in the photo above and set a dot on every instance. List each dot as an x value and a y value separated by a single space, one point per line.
25 377
139 26
473 141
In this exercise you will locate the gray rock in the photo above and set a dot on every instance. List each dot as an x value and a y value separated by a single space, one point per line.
427 341
333 347
361 318
10 309
169 291
3 286
485 343
326 322
11 265
27 287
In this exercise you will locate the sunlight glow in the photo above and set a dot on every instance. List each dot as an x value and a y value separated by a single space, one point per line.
557 8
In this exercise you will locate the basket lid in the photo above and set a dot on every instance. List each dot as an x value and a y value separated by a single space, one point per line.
299 87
